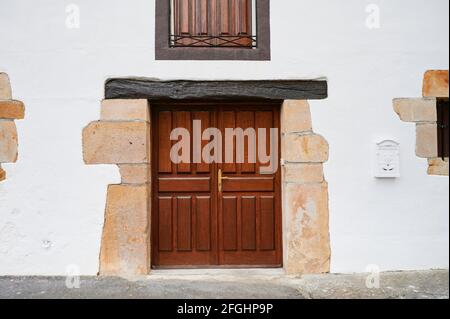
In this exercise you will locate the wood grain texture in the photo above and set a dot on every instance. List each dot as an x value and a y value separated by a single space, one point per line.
183 185
180 89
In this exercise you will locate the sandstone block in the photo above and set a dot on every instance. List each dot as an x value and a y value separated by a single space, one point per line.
303 173
125 110
416 110
5 87
310 148
8 141
116 143
435 83
12 110
307 249
438 166
2 174
296 116
135 174
426 141
125 249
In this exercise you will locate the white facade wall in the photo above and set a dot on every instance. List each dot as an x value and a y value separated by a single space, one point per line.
52 205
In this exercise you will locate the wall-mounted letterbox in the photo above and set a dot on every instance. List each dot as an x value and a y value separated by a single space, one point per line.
387 161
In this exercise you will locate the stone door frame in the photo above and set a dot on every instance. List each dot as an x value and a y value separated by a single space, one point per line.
122 137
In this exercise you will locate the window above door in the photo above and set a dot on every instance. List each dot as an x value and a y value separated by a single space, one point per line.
212 30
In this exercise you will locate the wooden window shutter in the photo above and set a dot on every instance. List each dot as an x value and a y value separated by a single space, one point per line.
209 23
443 127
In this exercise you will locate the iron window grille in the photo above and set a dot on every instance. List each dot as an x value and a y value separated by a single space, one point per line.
200 24
251 45
220 41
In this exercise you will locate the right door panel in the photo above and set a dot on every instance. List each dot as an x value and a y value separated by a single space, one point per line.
249 209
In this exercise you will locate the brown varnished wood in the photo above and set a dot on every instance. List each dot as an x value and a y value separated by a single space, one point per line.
184 223
249 184
245 120
267 223
228 119
165 223
205 118
203 223
164 145
248 223
195 225
213 18
183 185
229 225
258 235
183 119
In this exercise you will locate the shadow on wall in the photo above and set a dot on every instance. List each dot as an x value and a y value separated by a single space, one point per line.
10 110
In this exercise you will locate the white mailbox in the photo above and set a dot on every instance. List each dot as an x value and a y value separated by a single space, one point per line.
387 162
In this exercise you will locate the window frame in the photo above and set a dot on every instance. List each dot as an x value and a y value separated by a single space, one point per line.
163 51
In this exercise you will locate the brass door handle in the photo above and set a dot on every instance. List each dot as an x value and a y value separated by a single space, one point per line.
220 179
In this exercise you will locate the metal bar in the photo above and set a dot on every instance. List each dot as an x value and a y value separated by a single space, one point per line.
230 41
202 41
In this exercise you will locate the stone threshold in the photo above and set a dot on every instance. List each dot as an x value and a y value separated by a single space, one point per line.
245 272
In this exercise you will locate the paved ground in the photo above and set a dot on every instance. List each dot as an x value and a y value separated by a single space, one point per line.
232 284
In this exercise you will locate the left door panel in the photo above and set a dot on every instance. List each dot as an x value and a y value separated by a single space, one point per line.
183 227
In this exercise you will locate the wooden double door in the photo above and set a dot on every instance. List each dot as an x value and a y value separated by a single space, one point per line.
214 214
